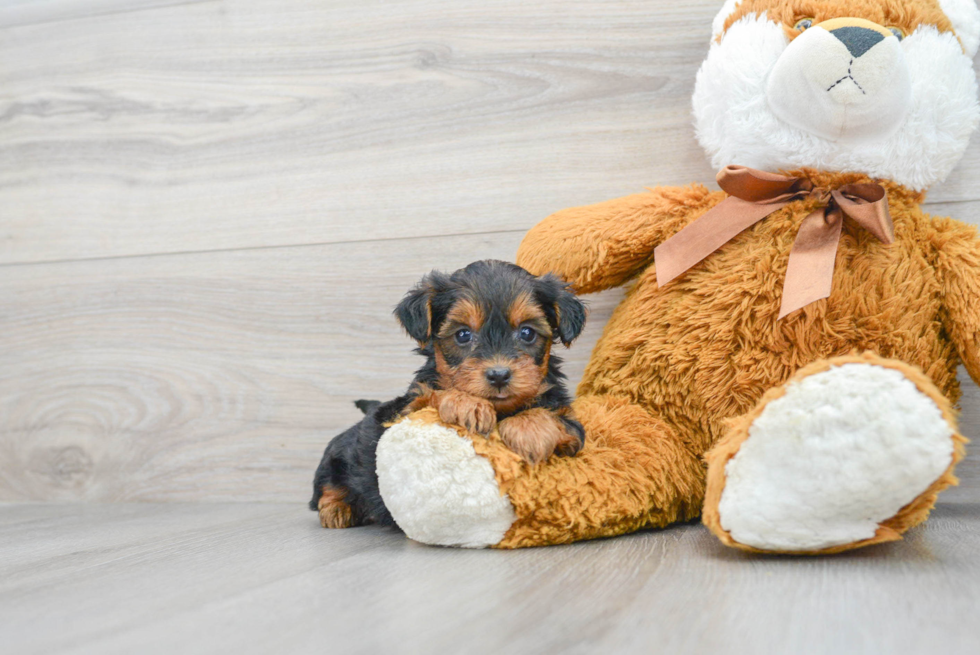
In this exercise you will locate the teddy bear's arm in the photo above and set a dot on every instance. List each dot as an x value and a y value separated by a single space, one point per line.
601 246
959 269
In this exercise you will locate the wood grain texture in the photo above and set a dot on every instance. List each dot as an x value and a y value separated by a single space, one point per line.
203 578
256 123
219 375
207 211
14 13
215 375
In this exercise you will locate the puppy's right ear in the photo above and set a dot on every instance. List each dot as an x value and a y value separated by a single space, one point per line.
414 312
564 310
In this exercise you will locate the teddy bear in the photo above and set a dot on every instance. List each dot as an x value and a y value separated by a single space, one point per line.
783 364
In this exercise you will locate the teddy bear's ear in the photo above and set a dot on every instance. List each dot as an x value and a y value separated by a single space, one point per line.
965 17
414 312
567 313
718 24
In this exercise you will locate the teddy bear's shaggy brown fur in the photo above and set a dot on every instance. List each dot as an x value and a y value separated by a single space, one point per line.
684 370
677 364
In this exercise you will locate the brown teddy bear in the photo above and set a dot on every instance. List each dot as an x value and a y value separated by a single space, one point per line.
784 361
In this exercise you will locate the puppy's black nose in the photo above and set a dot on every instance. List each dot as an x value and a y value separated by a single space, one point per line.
498 377
858 39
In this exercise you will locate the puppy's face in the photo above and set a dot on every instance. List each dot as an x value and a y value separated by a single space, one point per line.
494 346
490 327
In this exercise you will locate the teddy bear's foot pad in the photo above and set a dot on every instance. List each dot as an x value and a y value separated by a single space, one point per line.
438 489
835 456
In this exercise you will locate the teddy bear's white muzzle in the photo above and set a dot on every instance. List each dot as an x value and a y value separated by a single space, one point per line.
843 82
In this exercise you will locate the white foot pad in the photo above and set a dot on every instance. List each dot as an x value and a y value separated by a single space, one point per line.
839 453
438 489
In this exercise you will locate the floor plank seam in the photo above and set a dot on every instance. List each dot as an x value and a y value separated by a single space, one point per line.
317 244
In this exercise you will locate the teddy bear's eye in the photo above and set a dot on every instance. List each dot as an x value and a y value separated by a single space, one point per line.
803 24
897 31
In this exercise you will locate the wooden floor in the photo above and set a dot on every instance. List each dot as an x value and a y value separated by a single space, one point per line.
208 209
265 578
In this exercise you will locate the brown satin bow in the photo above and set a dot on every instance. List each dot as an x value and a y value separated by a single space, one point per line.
755 194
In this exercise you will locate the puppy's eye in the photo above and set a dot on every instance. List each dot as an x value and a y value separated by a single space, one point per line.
527 335
463 336
897 31
803 24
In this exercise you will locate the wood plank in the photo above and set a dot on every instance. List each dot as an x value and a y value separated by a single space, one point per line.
16 13
967 211
266 578
261 123
217 376
220 376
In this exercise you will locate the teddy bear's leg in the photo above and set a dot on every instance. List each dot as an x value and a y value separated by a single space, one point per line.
632 473
852 451
450 488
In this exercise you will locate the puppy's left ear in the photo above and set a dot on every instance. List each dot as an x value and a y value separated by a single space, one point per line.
569 311
414 312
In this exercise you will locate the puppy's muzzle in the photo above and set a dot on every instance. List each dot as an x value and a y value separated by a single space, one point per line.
498 377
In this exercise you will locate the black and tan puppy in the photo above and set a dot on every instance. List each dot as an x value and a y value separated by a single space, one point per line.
486 332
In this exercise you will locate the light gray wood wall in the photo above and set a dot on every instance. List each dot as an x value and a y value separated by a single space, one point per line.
208 209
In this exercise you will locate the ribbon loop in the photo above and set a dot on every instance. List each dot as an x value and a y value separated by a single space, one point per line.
753 195
761 187
867 205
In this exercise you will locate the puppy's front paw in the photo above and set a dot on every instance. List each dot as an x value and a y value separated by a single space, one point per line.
474 414
536 434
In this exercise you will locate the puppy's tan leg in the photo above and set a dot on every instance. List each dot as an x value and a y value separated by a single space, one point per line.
536 434
427 397
334 512
474 414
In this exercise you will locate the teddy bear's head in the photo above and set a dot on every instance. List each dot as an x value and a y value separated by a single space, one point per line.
883 87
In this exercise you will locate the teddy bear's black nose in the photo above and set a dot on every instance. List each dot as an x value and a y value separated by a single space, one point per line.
858 39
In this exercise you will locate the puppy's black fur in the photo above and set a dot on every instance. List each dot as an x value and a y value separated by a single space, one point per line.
348 467
349 462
